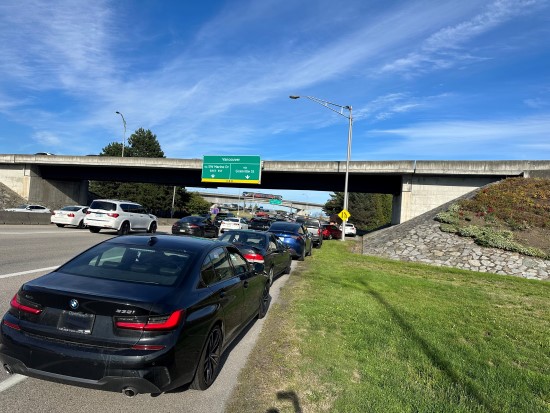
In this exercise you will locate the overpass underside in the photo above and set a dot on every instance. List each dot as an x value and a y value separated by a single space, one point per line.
416 186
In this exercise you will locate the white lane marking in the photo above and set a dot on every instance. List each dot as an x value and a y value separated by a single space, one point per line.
15 274
12 381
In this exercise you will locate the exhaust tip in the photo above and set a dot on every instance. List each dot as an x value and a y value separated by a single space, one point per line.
8 369
129 391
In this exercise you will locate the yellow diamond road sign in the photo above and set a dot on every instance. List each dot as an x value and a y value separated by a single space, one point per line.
344 215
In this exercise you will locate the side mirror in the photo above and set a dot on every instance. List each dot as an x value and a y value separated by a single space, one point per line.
259 267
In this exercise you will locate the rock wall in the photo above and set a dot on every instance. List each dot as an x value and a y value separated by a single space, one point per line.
421 240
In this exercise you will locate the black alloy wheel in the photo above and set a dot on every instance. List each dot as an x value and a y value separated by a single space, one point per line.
209 362
152 228
80 224
264 302
124 228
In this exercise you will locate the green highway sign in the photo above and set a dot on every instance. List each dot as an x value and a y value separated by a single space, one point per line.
232 169
275 201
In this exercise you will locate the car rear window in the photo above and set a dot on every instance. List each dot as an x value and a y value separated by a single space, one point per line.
131 263
105 205
71 208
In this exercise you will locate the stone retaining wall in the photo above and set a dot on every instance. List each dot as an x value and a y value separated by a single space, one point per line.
421 240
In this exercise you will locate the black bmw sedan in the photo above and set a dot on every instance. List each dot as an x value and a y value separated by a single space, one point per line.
134 314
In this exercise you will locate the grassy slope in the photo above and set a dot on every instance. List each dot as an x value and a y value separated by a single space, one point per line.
372 335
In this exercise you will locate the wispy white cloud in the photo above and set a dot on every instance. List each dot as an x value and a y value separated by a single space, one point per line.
522 138
47 138
446 47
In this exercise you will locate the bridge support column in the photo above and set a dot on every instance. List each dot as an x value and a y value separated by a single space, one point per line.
27 183
422 193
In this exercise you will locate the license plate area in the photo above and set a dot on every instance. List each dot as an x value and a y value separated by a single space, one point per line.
76 322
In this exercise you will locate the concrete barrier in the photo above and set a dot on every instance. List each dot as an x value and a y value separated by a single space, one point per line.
25 218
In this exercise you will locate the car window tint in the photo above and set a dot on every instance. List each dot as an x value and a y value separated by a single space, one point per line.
220 260
131 264
107 206
239 263
208 275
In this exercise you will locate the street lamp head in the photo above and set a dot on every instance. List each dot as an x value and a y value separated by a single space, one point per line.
294 97
117 112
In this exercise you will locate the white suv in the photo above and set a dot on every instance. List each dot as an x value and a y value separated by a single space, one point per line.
122 216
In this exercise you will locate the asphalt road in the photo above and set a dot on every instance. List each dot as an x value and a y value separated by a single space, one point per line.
27 252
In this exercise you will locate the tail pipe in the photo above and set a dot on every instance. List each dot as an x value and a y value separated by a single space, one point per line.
129 391
8 369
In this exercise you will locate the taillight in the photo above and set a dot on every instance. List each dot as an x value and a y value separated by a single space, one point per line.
16 303
113 215
88 212
71 215
153 323
319 231
193 226
252 257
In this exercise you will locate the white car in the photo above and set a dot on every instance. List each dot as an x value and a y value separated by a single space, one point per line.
121 216
70 215
30 208
233 223
350 229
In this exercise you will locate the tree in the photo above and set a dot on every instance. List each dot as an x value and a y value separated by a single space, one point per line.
197 204
368 211
157 198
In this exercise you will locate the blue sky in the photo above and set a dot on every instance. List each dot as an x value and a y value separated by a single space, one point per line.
441 80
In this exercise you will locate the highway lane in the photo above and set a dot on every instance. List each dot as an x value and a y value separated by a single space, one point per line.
24 250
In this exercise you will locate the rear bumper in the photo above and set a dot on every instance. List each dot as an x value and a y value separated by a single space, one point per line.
96 368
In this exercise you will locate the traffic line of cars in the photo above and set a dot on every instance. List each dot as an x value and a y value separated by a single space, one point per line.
147 313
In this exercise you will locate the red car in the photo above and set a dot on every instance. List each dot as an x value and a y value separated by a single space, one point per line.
331 231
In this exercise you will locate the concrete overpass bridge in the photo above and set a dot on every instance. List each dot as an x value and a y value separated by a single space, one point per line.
416 186
216 198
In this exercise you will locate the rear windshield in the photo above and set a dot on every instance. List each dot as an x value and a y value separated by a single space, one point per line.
252 239
284 226
105 205
130 263
312 223
71 208
192 219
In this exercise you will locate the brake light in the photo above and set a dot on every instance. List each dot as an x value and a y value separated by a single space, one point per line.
193 226
71 215
15 303
113 215
253 257
319 231
88 212
154 323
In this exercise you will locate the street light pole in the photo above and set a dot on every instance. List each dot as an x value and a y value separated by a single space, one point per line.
331 106
124 135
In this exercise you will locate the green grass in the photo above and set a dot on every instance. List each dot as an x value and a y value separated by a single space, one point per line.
360 334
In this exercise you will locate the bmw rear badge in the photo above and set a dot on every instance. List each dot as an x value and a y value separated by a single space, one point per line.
73 304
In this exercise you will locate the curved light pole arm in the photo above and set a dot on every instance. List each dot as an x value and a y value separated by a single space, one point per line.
124 135
328 105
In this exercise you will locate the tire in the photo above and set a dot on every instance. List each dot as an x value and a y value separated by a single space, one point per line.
310 250
270 276
124 228
288 267
329 236
95 230
264 302
60 225
209 363
80 224
303 256
152 228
